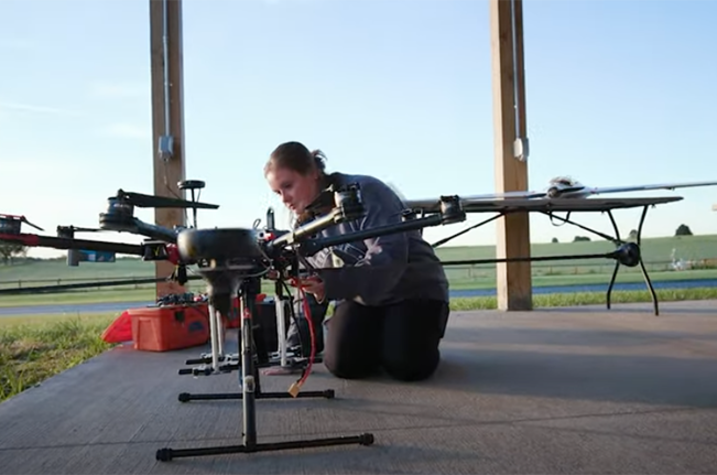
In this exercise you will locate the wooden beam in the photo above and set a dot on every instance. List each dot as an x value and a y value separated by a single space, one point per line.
514 286
168 171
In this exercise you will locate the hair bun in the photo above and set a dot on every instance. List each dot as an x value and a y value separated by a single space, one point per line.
319 159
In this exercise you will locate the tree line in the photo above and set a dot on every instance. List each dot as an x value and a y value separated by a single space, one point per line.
682 230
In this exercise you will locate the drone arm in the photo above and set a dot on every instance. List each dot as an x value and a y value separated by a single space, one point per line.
135 226
450 212
348 207
155 232
303 232
34 240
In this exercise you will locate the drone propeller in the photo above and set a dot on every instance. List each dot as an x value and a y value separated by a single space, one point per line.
69 231
141 200
10 223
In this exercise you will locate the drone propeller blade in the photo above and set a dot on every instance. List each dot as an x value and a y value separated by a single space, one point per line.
141 200
664 186
24 220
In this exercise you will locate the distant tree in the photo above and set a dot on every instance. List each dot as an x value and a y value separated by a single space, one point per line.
581 238
554 240
7 251
633 234
683 230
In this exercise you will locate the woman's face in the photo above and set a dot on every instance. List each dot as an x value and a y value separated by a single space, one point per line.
297 191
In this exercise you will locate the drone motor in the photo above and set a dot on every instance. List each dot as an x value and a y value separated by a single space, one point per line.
12 224
9 225
349 203
119 215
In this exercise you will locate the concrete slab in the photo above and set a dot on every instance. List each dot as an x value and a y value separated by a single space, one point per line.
578 390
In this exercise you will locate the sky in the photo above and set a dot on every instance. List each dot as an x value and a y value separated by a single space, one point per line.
398 89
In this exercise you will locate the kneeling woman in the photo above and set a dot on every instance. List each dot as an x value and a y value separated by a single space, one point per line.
391 292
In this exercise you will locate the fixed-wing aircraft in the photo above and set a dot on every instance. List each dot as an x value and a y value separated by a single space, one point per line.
563 187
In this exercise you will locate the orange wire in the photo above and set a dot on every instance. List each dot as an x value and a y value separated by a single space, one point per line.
310 322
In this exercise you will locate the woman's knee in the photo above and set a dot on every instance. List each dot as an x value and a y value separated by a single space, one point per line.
412 367
412 334
346 366
353 342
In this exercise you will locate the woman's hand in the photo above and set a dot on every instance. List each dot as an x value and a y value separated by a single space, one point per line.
315 286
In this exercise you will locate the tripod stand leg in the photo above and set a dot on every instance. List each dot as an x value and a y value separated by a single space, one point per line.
219 324
612 283
214 337
326 394
165 455
248 384
653 294
281 328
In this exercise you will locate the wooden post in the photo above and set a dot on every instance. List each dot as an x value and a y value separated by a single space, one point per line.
169 170
514 286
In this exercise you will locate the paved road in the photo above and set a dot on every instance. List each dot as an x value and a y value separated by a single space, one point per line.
121 306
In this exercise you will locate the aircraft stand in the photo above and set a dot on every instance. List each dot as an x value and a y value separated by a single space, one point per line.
251 392
625 254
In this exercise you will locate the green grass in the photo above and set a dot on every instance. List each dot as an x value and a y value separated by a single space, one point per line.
576 299
34 348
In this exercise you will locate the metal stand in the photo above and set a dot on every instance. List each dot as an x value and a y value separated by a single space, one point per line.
634 259
217 362
627 254
251 391
653 294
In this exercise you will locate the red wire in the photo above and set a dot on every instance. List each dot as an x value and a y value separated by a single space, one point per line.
312 354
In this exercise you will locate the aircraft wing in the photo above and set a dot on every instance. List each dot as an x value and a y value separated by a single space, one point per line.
665 186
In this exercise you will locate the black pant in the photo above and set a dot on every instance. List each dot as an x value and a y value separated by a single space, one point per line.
402 339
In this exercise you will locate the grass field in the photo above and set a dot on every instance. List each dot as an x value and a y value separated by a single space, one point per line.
33 348
701 251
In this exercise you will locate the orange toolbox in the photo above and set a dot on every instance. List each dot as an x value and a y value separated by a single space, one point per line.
170 327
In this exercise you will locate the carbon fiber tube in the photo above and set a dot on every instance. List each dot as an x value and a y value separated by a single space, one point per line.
34 240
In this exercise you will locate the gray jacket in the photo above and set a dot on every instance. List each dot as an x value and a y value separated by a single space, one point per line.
382 270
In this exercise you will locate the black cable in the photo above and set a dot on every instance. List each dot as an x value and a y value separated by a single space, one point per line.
293 317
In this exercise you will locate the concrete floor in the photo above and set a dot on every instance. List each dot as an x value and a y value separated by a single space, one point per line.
578 390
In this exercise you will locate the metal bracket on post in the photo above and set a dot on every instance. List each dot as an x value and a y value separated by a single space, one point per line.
521 149
166 147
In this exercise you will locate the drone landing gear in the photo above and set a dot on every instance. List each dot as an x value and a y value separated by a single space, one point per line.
249 446
646 277
627 254
251 391
217 362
